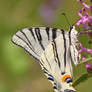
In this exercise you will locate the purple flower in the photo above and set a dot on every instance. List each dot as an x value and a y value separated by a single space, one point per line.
85 5
86 32
82 49
85 18
83 57
88 67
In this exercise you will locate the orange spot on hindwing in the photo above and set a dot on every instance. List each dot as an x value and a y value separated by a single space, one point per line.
65 77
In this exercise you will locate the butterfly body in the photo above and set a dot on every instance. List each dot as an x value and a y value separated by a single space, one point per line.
54 49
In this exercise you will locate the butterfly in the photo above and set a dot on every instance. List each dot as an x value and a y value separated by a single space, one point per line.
54 49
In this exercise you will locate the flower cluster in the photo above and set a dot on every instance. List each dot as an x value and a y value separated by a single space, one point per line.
86 21
85 18
82 49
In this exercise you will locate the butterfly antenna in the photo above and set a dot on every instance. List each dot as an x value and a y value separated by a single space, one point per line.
66 19
76 21
75 24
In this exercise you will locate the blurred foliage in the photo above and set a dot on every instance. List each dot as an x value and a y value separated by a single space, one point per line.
18 71
81 79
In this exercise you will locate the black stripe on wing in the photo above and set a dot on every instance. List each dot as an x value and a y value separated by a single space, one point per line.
27 39
54 33
70 42
39 37
24 48
32 33
70 36
47 31
50 77
63 33
24 42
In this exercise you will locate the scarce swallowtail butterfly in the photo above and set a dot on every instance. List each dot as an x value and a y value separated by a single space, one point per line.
54 49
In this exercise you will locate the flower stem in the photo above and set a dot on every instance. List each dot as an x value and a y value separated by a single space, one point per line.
80 79
84 61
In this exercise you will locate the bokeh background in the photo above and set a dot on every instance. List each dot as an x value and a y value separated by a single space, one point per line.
18 71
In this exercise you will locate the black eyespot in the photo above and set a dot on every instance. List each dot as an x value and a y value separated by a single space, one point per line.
68 80
55 86
62 73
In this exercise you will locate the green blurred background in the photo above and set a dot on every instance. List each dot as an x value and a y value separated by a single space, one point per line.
18 71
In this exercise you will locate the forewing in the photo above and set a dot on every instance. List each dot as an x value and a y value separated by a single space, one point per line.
51 42
35 40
